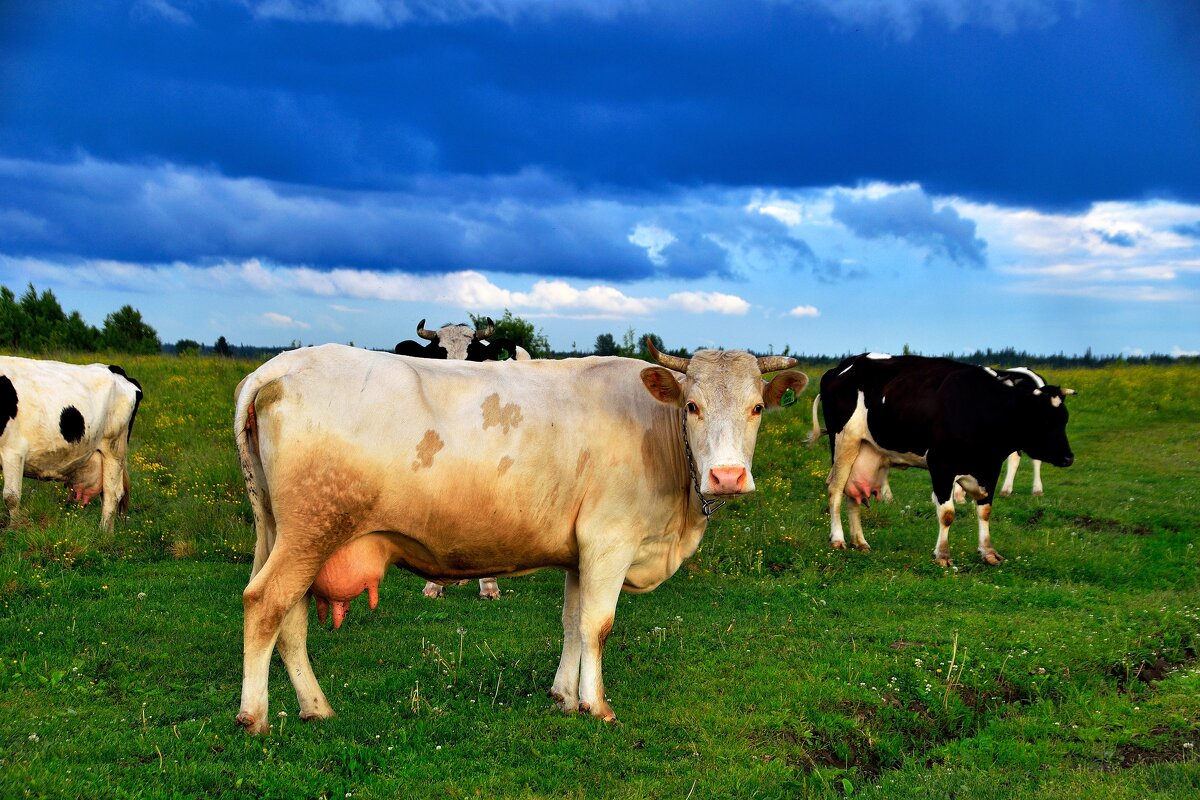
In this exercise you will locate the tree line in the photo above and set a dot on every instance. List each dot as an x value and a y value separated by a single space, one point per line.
36 323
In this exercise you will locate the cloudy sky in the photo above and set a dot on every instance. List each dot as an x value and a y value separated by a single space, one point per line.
829 175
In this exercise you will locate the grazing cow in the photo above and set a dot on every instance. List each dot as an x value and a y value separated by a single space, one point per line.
69 423
955 420
461 343
602 467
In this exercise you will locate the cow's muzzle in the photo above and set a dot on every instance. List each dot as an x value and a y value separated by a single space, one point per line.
727 480
1066 460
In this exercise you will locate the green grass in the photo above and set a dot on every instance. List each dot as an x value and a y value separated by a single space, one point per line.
770 666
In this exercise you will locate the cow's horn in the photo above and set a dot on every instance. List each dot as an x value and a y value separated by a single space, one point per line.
774 363
487 331
670 362
424 334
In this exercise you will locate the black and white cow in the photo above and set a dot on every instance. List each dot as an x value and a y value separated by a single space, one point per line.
461 343
955 420
69 423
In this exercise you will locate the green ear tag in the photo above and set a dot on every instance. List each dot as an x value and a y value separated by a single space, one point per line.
789 397
503 355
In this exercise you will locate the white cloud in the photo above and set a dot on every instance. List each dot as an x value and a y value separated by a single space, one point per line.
277 320
1179 352
702 302
804 311
468 290
654 239
346 309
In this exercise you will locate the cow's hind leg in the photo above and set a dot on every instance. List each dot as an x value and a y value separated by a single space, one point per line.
489 589
112 472
267 600
565 689
854 513
293 649
14 472
846 447
434 590
1010 473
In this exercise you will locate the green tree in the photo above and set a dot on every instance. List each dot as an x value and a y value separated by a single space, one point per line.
78 336
221 348
606 345
126 332
187 347
628 347
643 352
520 331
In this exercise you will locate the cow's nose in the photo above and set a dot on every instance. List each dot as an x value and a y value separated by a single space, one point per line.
1068 461
727 480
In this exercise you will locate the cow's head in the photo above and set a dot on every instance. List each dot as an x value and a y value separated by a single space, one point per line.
723 396
455 339
1045 428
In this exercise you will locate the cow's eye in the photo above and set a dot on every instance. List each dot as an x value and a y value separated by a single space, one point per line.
692 408
758 409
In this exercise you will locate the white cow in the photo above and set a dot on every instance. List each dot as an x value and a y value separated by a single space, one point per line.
69 423
602 467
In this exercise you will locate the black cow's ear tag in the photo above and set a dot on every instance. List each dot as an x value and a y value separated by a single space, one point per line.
788 398
503 355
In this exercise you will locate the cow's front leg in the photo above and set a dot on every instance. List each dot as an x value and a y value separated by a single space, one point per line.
1037 478
599 588
988 553
13 464
434 590
565 689
943 501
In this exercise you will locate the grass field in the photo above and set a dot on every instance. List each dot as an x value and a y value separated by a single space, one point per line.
769 666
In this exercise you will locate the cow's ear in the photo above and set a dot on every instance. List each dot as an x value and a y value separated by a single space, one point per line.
662 386
783 388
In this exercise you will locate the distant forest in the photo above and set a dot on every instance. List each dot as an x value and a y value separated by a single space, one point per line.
36 324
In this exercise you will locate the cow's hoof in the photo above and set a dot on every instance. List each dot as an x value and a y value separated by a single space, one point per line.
944 561
321 713
1005 492
602 713
489 594
252 725
838 545
1037 492
564 703
862 547
433 593
992 558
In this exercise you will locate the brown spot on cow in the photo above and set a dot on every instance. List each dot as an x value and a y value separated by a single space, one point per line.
504 465
947 517
582 463
985 512
427 448
508 416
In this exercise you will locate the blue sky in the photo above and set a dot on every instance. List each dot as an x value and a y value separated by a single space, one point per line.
829 175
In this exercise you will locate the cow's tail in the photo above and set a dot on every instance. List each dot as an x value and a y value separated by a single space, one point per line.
817 431
245 432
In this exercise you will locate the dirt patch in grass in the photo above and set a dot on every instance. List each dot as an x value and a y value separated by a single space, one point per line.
1090 523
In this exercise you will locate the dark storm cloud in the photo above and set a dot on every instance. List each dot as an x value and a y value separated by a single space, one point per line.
1017 101
909 214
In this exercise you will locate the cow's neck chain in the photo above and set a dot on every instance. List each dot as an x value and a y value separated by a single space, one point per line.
707 507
